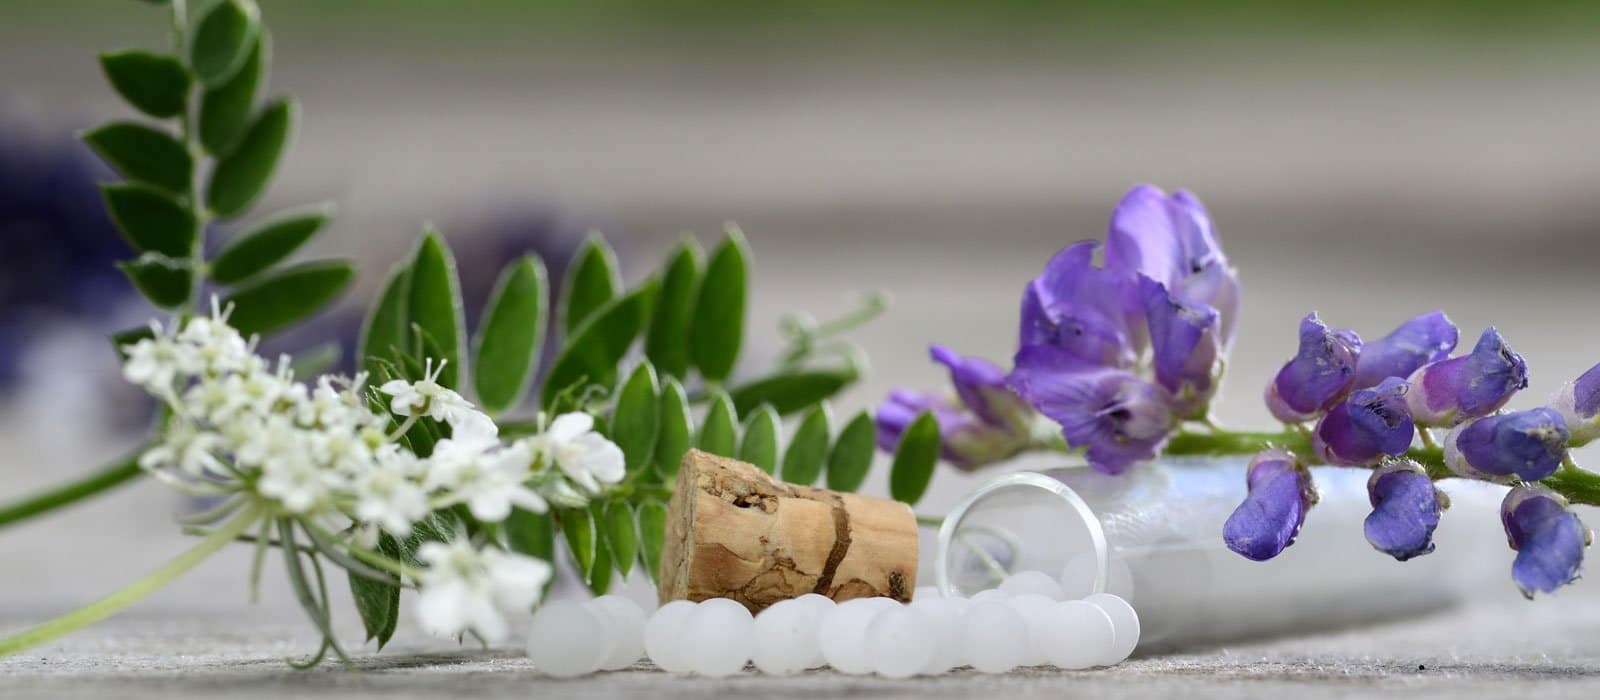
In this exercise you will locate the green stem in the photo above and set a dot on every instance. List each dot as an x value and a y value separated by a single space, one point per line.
111 604
111 475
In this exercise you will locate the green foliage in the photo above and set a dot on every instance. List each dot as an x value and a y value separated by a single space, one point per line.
435 303
599 578
851 455
636 420
377 603
667 344
533 534
242 175
652 534
384 329
592 281
225 110
143 154
592 352
577 525
808 448
164 281
155 84
791 391
716 332
719 432
289 295
222 40
511 335
760 443
267 245
622 539
677 429
152 221
914 459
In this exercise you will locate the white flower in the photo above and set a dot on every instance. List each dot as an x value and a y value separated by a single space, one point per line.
426 395
155 363
387 496
466 589
296 481
187 449
488 478
585 456
218 347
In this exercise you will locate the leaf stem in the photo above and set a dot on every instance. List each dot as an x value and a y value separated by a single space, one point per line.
107 477
111 604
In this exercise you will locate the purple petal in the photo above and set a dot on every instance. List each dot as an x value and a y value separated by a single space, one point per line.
1080 308
965 440
1426 338
975 379
1365 427
1405 510
1586 393
1549 539
1183 340
1120 419
1320 374
1280 493
1477 384
1170 240
1526 444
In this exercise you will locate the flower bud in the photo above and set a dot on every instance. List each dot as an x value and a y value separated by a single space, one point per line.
1477 384
1185 348
1274 509
981 386
1578 402
1548 538
1426 338
1527 445
965 440
1117 417
1405 510
1363 428
1321 373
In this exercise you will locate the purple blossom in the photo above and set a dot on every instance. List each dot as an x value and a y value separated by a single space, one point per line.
1280 493
981 386
1321 373
1081 309
1477 384
1405 510
1119 418
1363 428
1170 240
1420 340
1578 402
1527 445
1548 538
1185 347
965 440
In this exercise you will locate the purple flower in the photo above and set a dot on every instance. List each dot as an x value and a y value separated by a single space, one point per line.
1527 445
1170 240
1579 403
965 440
981 386
1274 509
1426 338
1549 539
1320 374
1405 510
1185 347
1477 384
1368 425
1120 418
1081 309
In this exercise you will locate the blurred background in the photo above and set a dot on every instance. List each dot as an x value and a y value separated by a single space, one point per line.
1370 160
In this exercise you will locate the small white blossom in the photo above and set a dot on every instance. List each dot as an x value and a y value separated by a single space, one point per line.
488 478
466 589
425 395
186 449
585 456
388 496
155 363
296 481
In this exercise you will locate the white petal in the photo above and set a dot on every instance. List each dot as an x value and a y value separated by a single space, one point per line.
602 458
569 426
490 506
441 610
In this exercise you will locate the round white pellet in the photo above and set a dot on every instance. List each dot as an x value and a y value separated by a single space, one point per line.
901 641
842 634
1073 634
567 639
994 637
663 637
624 621
1124 623
816 605
990 594
1032 582
718 634
925 593
945 614
1032 607
785 638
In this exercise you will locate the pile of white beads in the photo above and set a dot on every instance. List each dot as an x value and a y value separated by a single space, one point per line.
1024 622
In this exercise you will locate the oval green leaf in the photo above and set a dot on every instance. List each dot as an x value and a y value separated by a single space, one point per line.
150 219
760 443
225 110
511 335
808 449
533 534
592 281
636 421
851 456
289 295
578 527
719 432
599 578
677 429
652 534
789 392
378 603
166 282
435 303
914 459
384 328
591 354
717 328
241 176
267 245
222 40
667 344
621 537
155 84
143 154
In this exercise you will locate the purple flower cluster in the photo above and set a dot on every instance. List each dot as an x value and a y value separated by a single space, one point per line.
1368 401
1116 353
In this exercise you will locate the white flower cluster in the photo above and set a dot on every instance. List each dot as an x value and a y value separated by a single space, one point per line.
240 426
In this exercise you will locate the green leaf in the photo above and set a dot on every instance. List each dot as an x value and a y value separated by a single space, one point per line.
667 344
267 245
677 429
143 154
533 534
378 603
760 443
385 324
717 328
914 459
511 335
222 40
288 295
435 302
242 175
808 449
652 534
225 110
852 452
591 281
592 352
165 281
600 574
788 392
720 429
438 526
636 420
621 537
578 527
153 83
150 219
